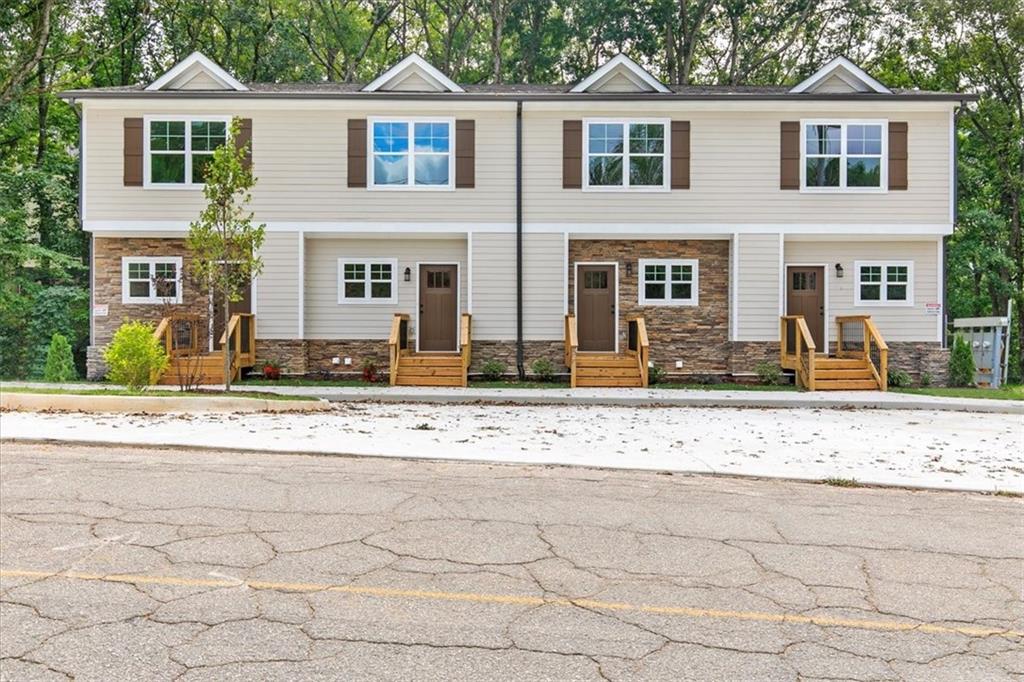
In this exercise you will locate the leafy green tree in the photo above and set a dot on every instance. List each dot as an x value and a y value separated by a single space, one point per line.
60 365
224 243
961 363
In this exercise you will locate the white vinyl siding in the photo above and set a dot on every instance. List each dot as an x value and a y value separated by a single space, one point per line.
758 284
494 286
277 287
896 323
325 319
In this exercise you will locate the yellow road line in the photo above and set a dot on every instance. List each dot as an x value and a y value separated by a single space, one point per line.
524 600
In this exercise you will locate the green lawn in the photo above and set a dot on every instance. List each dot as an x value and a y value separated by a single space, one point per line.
291 381
159 393
1003 393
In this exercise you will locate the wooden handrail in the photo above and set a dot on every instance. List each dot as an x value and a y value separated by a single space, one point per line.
465 345
871 335
643 346
162 334
801 357
395 343
572 345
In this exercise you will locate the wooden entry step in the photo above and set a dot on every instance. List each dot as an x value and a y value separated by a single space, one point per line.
430 369
607 370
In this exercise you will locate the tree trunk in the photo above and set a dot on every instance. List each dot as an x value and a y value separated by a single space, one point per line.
226 346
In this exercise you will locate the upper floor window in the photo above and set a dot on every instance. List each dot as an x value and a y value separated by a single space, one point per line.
843 155
367 281
147 279
411 154
668 282
178 149
625 155
884 283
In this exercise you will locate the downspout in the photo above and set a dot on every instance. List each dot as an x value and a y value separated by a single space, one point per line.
520 364
956 217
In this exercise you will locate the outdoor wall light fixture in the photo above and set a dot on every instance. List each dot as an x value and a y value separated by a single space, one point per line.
629 269
408 275
839 271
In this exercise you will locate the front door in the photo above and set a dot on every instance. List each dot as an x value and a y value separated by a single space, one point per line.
438 321
595 307
244 305
805 295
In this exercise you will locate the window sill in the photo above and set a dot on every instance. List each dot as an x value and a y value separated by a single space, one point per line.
410 188
626 190
173 186
670 304
883 304
367 301
844 190
150 301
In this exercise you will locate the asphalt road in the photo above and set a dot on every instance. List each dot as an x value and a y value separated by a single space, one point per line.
142 564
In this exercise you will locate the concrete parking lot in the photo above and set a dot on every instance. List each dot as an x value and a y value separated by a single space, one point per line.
136 564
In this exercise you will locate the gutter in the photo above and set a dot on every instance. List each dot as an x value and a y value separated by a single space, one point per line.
520 363
958 112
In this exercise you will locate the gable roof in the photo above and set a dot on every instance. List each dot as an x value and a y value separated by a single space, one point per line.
416 71
200 70
841 69
620 67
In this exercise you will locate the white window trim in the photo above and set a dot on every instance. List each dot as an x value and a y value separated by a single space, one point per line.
128 299
844 123
411 185
625 186
147 165
884 302
668 263
366 300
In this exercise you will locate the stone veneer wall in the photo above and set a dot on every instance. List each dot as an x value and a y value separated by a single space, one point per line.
697 335
505 351
107 254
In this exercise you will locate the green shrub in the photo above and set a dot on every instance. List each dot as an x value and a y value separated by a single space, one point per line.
655 374
961 363
134 358
769 373
60 363
898 378
543 369
926 379
492 370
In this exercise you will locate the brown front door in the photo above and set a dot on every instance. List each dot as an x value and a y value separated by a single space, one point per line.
595 307
244 305
438 307
805 295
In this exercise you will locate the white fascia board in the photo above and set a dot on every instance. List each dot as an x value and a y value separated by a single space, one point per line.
383 229
198 58
840 63
620 60
414 61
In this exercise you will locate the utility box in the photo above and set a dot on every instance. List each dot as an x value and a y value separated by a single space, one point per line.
990 344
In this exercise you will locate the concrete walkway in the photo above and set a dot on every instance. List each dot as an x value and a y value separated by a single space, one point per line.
617 397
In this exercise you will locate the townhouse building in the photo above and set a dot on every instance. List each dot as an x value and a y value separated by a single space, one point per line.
604 225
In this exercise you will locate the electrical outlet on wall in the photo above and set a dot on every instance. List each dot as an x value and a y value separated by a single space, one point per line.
348 362
335 361
679 364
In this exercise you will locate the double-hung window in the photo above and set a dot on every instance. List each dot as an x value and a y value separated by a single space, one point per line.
411 154
884 283
668 282
179 149
151 279
844 155
626 155
367 281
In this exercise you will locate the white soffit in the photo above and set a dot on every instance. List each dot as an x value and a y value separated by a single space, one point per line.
189 68
622 65
846 71
414 69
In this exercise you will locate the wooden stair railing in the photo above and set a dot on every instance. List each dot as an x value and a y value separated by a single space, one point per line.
465 345
871 337
572 345
639 346
398 341
239 340
797 349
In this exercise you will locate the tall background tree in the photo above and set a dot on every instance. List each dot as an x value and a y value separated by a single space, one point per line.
46 46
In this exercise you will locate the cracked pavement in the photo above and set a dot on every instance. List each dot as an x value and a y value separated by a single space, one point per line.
145 564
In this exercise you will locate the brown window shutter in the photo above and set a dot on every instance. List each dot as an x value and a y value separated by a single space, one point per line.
789 156
572 154
133 152
465 154
897 155
357 152
680 168
243 138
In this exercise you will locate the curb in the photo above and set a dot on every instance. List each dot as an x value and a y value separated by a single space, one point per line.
39 402
519 398
863 485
